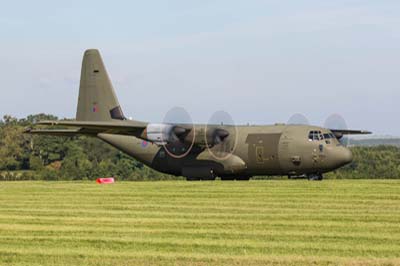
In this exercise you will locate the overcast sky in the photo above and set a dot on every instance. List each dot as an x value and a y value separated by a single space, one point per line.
261 61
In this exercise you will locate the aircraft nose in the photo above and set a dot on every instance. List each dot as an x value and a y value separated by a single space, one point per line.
346 156
341 156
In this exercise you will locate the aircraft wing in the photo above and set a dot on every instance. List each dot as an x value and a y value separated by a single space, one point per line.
350 132
134 128
159 134
339 133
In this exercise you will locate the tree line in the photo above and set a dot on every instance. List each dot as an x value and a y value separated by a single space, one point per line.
37 157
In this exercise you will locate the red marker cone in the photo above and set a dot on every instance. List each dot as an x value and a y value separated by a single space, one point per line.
105 180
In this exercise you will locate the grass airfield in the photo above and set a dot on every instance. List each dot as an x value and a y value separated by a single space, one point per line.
334 222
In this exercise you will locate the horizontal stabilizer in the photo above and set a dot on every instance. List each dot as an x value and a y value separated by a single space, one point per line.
55 132
125 127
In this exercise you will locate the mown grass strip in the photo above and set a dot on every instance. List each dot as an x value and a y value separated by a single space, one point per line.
222 223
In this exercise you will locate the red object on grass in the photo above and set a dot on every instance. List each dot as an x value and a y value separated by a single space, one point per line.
105 180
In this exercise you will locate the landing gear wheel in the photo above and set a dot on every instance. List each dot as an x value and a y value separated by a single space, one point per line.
315 177
243 178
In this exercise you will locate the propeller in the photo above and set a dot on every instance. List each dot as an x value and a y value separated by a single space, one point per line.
180 141
178 133
298 119
221 135
336 121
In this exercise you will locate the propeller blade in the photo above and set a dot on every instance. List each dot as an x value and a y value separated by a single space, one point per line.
298 119
182 125
221 135
338 125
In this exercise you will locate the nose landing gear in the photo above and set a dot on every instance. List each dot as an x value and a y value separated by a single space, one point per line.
311 177
315 177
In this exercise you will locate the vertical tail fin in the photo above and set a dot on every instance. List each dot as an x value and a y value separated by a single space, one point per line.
97 100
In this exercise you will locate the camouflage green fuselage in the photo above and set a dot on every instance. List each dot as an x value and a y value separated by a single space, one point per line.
252 150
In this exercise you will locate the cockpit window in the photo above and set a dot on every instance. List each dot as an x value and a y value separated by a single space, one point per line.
328 137
315 135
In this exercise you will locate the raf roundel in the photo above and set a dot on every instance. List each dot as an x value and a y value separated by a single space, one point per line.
144 144
95 109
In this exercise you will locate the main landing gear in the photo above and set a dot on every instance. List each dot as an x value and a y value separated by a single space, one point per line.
210 178
240 178
243 178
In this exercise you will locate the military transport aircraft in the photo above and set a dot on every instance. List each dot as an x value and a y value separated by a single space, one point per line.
200 151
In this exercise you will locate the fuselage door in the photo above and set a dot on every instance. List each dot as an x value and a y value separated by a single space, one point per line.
260 154
263 152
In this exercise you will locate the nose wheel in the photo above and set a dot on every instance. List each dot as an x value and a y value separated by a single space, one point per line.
315 177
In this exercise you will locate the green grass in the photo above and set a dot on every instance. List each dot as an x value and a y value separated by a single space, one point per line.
338 222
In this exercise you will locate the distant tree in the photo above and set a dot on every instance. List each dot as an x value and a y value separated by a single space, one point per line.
38 117
35 163
49 148
49 174
10 120
12 144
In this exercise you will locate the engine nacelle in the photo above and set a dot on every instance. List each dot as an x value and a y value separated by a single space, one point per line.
160 133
